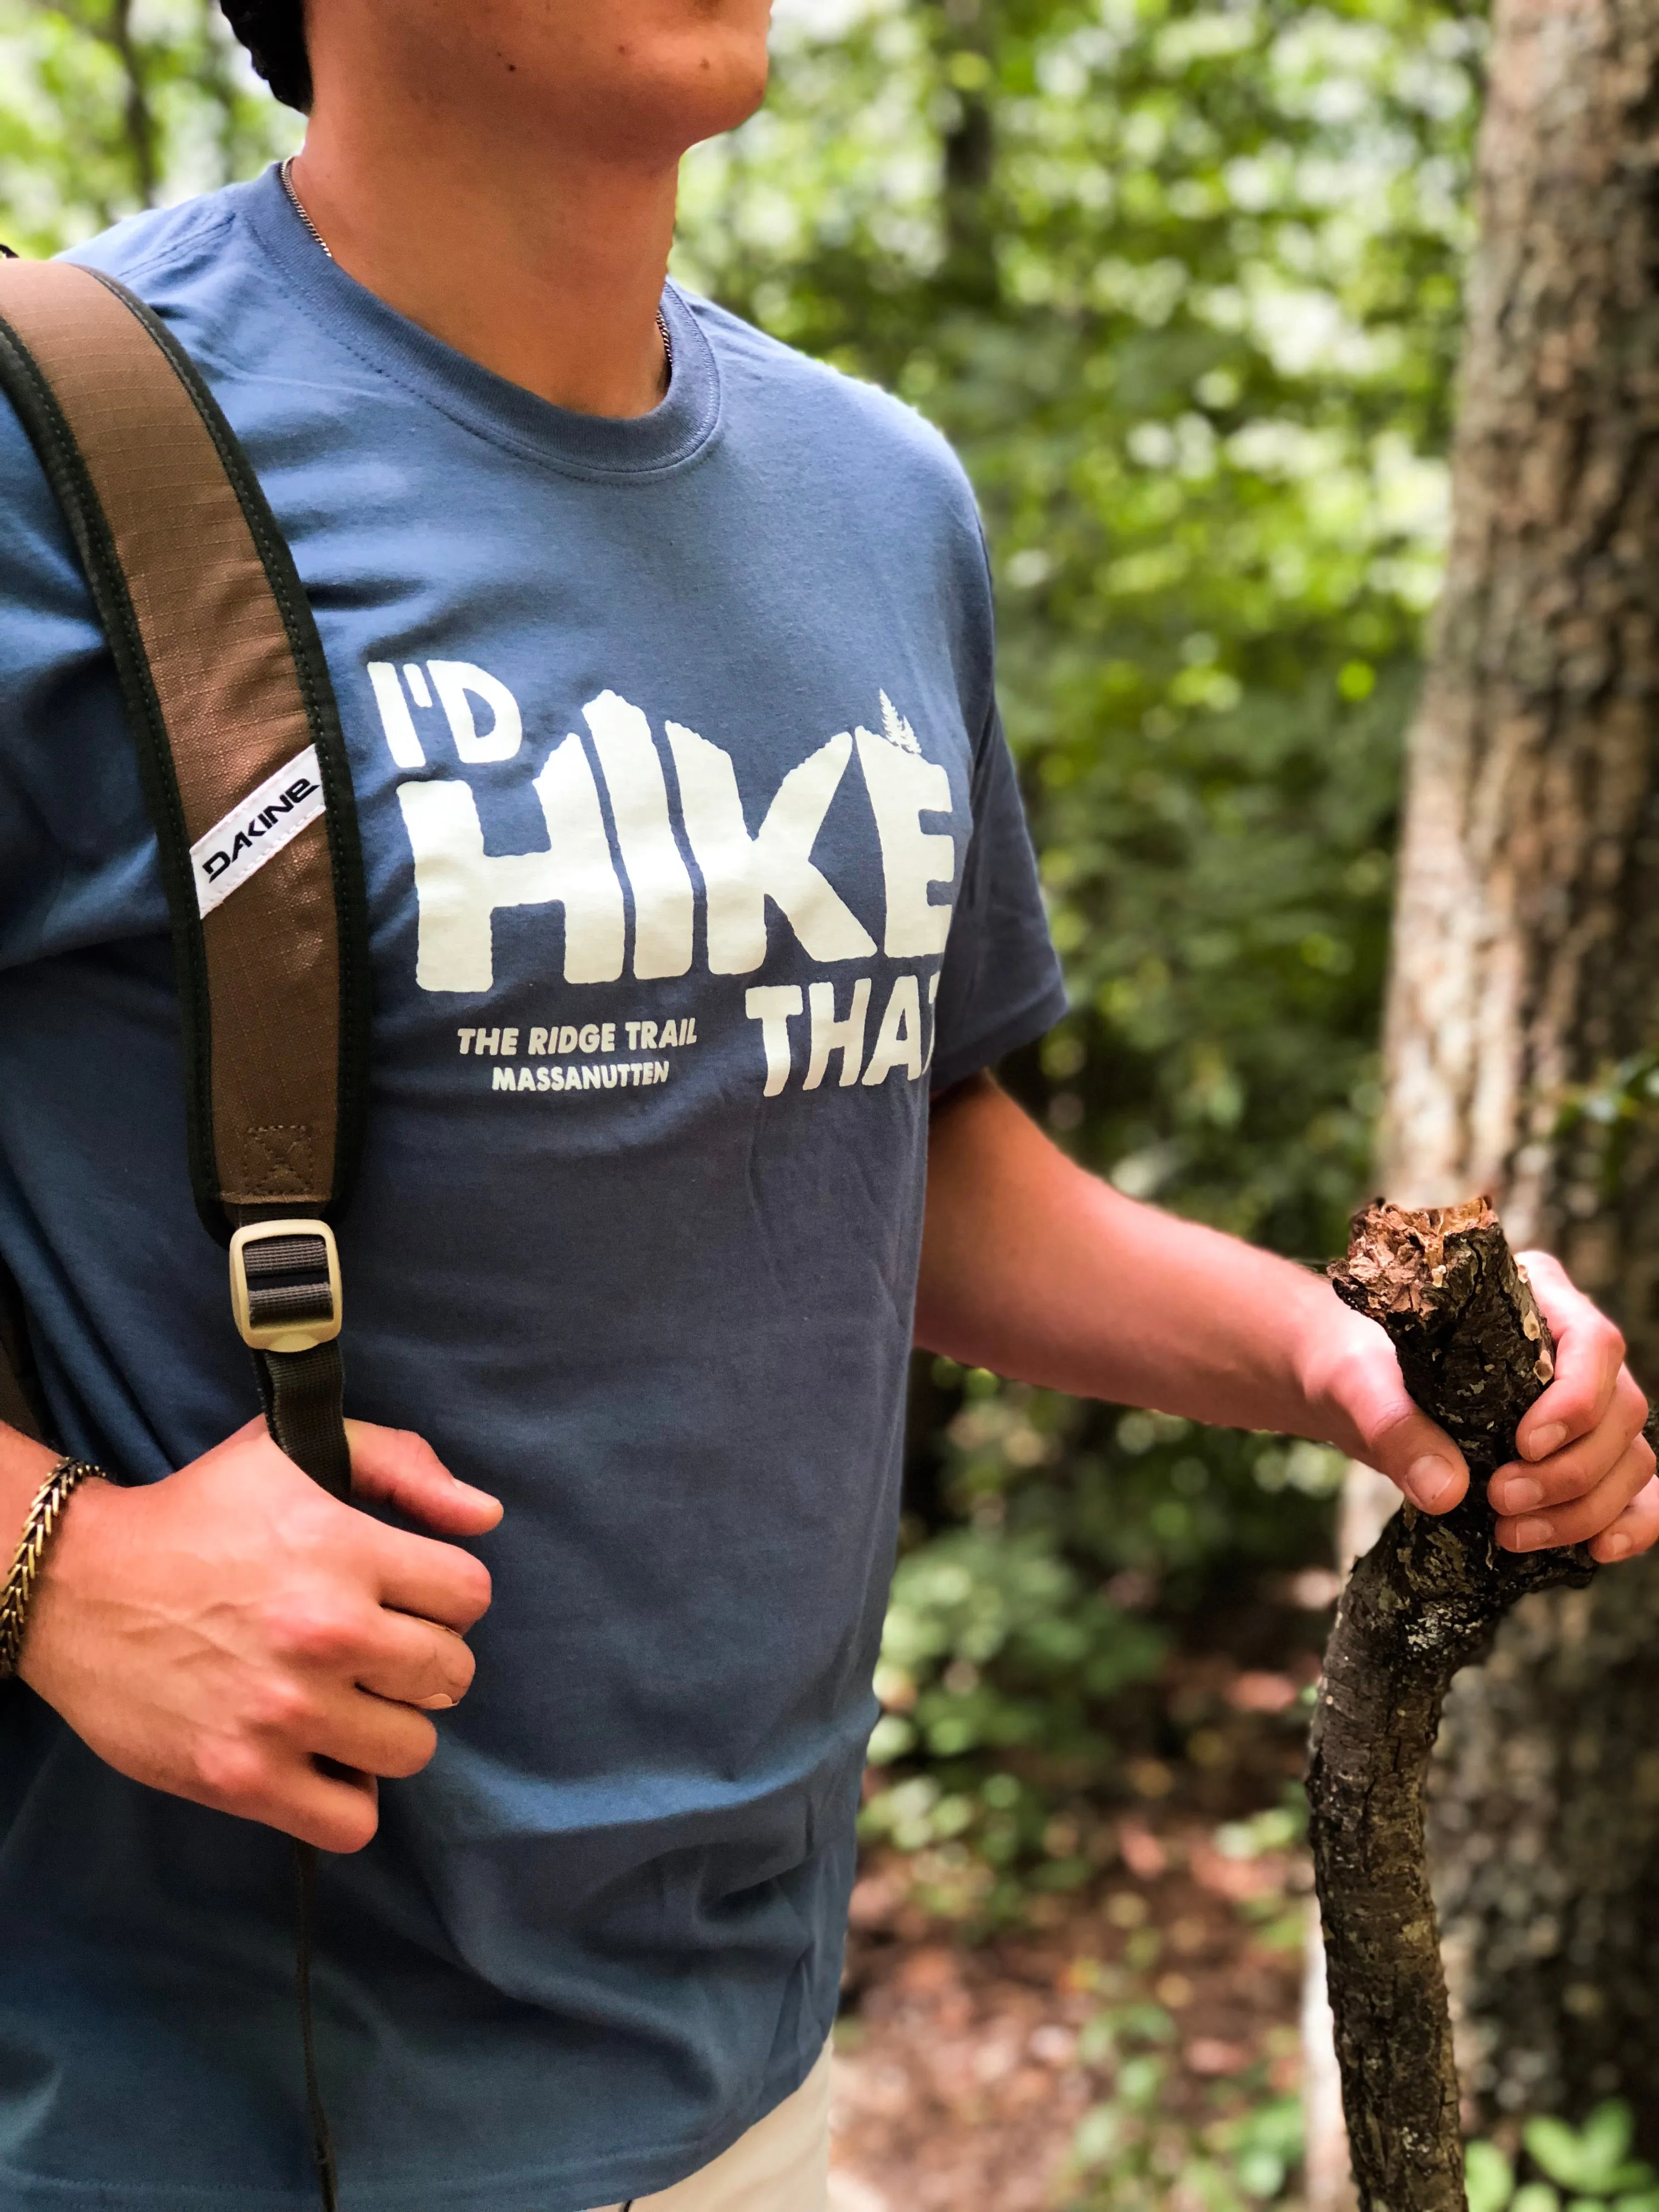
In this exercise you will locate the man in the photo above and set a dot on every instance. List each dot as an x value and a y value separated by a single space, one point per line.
635 1252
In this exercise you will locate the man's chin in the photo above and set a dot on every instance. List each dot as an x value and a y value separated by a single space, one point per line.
656 118
713 88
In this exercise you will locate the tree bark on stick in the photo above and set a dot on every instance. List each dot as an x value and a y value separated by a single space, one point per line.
1425 1600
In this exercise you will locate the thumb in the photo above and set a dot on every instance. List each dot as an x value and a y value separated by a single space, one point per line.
1416 1454
396 1467
1392 1434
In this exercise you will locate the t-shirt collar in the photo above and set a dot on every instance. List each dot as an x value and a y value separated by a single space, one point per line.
592 445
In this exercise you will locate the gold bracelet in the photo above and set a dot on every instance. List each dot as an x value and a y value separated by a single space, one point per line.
18 1592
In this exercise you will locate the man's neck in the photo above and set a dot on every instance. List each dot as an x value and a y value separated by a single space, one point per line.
550 277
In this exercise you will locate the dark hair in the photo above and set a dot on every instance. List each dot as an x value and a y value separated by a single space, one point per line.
274 32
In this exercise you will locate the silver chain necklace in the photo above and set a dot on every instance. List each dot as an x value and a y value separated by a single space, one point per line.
299 208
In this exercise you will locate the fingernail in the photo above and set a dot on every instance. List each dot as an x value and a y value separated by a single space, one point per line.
1534 1535
1519 1493
439 1704
1429 1483
1542 1441
1614 1548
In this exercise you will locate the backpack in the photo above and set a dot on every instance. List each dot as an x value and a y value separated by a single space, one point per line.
249 790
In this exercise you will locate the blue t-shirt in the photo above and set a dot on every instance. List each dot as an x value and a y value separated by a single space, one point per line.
695 861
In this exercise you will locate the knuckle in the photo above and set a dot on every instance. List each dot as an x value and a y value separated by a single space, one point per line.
228 1772
1571 1483
413 1450
1610 1337
279 1705
314 1630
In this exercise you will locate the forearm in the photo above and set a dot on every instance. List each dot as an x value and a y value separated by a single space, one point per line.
1040 1271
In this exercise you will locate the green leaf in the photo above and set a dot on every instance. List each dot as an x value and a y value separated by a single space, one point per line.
1591 2159
1489 2178
1535 2197
1261 2173
1100 2136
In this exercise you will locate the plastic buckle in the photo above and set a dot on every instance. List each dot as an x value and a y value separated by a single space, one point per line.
285 1284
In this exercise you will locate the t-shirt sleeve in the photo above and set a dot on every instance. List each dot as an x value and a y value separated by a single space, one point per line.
1002 984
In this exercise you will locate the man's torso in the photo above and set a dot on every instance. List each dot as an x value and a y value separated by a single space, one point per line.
669 740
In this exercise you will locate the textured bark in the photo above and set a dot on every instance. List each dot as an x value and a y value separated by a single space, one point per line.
1527 952
1369 1501
1424 1603
1525 963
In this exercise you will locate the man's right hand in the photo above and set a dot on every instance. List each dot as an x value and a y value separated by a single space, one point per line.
235 1636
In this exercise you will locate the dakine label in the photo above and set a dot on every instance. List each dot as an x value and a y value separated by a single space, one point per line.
269 819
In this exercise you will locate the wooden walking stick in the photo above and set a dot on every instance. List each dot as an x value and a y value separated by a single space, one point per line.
1426 1600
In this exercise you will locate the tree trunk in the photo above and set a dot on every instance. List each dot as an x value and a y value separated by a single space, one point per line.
968 36
137 118
1526 967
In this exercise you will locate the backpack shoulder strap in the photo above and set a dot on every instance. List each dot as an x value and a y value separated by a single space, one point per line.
245 771
229 699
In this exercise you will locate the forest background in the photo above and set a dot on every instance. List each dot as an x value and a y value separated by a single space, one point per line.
1181 283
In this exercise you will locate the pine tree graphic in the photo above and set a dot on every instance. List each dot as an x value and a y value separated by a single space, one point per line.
894 727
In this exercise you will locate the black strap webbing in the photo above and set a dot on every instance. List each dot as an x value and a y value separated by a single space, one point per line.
302 1394
305 1926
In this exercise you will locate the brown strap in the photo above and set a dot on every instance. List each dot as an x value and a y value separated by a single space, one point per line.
230 700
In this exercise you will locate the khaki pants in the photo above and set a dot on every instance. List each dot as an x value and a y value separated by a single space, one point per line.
782 2164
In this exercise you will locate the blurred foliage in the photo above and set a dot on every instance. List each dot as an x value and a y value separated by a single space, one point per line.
1181 281
1069 1547
1131 2154
108 106
1590 2167
1162 2138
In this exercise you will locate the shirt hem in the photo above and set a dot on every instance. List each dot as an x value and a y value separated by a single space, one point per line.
542 2189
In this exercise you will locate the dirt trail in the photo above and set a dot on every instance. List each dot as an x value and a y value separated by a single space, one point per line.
963 2069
